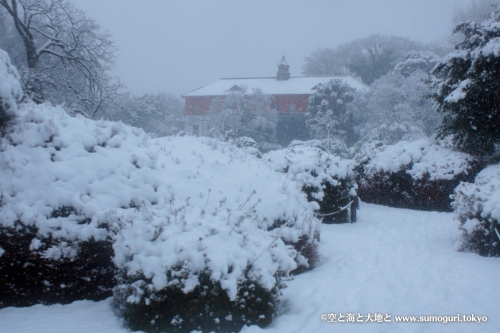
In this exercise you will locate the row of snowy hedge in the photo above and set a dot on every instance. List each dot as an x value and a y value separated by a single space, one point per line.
178 217
421 174
429 175
186 233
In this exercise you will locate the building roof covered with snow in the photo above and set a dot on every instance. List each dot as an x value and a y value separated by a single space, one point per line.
298 85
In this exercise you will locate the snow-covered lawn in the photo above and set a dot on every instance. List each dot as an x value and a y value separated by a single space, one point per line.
393 261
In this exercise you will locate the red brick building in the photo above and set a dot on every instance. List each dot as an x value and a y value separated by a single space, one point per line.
290 94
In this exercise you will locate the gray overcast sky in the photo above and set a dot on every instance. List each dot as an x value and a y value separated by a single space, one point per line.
178 46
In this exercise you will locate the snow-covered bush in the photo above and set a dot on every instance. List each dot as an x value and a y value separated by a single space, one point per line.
60 177
477 206
327 179
248 144
11 92
420 175
211 254
199 224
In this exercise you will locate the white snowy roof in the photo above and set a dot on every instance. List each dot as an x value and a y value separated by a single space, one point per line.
271 86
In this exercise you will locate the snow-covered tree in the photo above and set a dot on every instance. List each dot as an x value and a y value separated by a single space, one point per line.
423 61
243 113
476 11
396 108
325 61
328 116
467 82
67 59
367 58
158 114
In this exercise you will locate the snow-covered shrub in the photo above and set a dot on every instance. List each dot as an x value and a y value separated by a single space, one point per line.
210 254
11 92
51 271
249 145
477 206
420 175
327 179
332 145
60 178
181 218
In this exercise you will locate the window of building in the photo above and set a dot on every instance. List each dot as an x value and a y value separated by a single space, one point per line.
293 108
196 109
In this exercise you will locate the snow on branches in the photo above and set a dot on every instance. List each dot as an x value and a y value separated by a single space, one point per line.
327 111
466 84
477 206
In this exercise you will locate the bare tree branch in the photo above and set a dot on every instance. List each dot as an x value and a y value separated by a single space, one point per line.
65 48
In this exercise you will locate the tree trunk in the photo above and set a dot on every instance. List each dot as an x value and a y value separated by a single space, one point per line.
33 85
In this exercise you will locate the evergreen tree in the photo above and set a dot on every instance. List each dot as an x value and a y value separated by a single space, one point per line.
467 82
328 116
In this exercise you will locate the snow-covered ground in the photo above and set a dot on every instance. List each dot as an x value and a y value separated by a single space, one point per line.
393 261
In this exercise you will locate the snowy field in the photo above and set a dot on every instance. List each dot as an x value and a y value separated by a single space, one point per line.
393 261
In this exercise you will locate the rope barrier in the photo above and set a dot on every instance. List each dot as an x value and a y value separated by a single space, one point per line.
329 214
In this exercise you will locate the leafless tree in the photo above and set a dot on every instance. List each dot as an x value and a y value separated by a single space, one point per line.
367 58
246 112
68 59
158 114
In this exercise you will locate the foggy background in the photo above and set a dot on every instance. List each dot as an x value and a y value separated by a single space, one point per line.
178 46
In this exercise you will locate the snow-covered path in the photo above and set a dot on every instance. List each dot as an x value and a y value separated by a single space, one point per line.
394 261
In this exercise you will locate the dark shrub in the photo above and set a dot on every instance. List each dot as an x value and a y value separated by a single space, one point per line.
36 270
207 308
416 175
